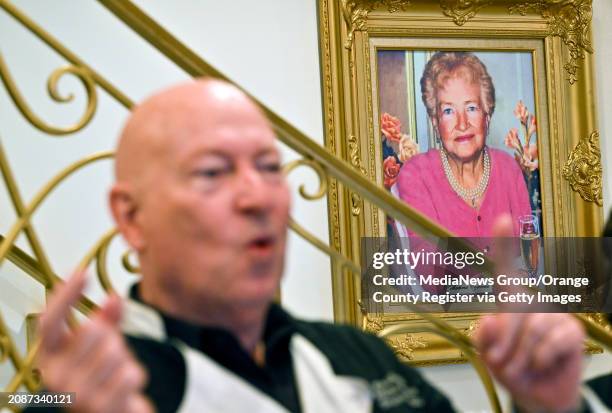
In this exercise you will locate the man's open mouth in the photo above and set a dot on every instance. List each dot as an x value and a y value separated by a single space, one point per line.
262 244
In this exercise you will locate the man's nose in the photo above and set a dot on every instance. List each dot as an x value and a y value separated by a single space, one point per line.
462 121
252 195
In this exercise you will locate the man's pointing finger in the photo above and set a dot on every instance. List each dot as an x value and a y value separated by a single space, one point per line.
52 321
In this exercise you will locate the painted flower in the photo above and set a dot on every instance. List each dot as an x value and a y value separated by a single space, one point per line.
512 140
390 127
533 127
407 148
531 155
391 169
526 154
528 161
521 112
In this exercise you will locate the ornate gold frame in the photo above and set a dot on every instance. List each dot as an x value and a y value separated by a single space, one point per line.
557 32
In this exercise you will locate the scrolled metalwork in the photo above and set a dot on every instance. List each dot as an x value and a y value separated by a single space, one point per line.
52 87
318 169
101 269
98 252
127 265
24 373
23 221
30 266
320 245
53 43
23 367
4 348
18 204
42 194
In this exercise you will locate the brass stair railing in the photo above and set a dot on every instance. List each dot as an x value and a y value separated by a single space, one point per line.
326 165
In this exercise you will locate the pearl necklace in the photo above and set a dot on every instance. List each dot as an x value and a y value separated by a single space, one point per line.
468 195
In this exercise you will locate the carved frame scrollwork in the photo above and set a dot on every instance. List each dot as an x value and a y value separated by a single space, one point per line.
583 169
461 11
569 20
556 32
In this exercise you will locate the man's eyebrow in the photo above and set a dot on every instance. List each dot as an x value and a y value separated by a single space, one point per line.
267 151
208 153
226 153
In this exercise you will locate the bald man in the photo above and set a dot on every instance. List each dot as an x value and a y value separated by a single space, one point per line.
200 197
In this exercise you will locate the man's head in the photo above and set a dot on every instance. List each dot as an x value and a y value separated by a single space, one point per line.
200 197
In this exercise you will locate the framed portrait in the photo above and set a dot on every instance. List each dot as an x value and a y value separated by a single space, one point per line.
463 110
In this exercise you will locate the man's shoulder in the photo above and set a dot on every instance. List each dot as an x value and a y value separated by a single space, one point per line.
166 370
350 350
601 387
341 333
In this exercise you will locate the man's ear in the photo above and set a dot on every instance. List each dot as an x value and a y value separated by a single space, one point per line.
125 212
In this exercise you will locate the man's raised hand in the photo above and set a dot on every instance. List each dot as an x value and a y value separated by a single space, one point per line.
536 356
93 360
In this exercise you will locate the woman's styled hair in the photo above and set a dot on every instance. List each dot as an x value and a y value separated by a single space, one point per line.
447 65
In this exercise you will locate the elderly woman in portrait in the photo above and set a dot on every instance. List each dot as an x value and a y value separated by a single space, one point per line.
465 185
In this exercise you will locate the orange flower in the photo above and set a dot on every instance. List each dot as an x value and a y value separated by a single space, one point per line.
521 112
407 148
391 127
391 171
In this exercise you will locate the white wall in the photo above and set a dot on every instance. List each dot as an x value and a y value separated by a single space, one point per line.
602 33
270 48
